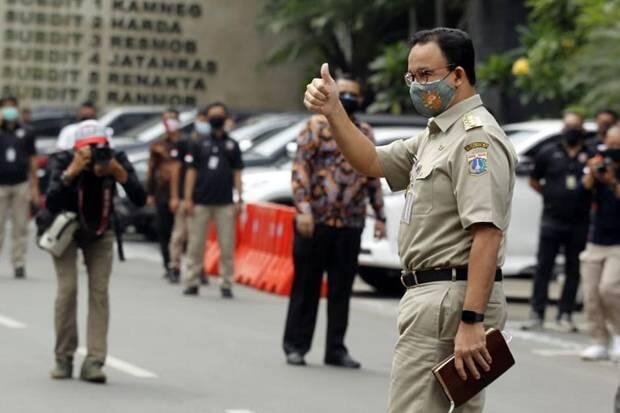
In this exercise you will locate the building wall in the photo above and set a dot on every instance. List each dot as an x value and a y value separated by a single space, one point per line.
123 52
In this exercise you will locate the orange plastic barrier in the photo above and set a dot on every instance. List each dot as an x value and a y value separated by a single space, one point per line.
264 249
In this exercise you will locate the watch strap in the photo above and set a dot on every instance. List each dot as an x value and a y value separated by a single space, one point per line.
471 317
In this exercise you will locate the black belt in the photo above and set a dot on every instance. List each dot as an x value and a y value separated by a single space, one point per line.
413 278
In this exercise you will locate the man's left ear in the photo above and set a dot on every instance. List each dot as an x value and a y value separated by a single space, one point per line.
459 74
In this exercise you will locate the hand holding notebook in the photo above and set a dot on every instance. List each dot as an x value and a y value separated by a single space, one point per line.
459 391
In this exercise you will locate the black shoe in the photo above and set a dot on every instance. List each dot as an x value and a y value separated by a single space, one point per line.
344 360
174 276
295 359
20 272
204 279
565 324
191 291
227 293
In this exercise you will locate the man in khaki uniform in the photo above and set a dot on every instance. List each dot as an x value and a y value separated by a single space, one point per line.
459 177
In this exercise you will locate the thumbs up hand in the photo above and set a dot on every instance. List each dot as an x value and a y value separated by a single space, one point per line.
322 94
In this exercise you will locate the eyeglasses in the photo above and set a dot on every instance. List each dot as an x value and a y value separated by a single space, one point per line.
424 75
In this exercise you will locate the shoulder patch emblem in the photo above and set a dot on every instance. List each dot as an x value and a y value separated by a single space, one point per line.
471 121
477 162
476 145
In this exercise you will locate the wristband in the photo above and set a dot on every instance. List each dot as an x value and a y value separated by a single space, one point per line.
471 317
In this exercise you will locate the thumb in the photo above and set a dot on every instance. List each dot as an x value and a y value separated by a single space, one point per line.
325 75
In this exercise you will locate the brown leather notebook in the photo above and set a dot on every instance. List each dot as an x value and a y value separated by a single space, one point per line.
458 391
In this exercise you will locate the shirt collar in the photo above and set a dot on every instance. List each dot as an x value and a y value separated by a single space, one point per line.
445 120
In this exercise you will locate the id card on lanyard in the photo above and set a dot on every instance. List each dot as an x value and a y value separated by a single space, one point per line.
10 155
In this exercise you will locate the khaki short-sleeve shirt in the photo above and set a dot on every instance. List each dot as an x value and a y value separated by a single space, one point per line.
458 172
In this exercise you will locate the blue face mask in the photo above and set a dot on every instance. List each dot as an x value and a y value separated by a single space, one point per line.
10 113
203 128
431 99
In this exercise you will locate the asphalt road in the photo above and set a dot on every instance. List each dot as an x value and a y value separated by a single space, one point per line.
171 353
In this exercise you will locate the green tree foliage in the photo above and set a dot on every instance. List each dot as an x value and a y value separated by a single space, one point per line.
347 33
567 54
388 80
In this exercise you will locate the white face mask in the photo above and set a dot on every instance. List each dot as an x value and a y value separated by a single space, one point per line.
203 128
172 125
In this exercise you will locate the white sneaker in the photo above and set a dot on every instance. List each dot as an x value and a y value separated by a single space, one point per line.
595 352
615 349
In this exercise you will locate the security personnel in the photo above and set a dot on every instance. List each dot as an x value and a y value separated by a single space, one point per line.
214 169
459 177
178 239
162 183
557 176
19 184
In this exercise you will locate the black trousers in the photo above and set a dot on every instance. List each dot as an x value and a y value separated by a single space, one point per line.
334 250
552 237
165 224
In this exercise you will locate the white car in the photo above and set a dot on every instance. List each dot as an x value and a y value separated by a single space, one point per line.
379 261
263 184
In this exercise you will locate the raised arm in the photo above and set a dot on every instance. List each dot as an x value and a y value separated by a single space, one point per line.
322 97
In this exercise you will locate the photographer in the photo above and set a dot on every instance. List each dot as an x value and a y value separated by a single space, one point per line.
600 262
83 181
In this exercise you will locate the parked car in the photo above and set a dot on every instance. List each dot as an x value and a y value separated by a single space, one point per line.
379 261
275 150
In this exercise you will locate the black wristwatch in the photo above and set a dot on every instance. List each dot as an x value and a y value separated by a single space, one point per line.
471 317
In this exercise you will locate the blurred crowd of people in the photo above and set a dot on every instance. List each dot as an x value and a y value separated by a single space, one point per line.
578 178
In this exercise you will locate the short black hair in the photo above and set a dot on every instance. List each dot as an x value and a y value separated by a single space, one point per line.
607 111
206 109
172 110
456 46
9 99
88 104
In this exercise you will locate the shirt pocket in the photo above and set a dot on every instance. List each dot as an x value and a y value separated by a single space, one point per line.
422 190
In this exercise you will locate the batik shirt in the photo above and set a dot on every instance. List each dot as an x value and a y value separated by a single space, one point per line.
326 185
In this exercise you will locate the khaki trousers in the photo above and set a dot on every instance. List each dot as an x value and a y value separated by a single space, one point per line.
225 221
428 319
178 240
15 205
600 271
98 257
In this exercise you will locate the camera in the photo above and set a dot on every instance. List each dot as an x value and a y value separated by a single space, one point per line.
602 166
101 154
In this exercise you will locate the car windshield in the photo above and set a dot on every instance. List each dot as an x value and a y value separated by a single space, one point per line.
267 147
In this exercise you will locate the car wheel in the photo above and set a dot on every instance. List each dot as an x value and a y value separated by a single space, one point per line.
384 280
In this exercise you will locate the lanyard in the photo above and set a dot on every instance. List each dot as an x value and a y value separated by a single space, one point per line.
105 210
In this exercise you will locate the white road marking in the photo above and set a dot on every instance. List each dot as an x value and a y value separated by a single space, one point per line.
556 353
541 338
9 322
123 366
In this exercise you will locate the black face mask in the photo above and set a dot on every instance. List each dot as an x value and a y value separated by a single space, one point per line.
349 102
613 154
573 137
217 122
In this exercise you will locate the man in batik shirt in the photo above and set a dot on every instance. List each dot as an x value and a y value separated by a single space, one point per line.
330 198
